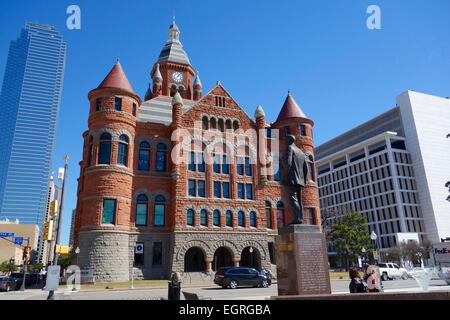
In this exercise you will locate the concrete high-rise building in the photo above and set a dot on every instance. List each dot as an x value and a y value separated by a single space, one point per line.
392 169
29 107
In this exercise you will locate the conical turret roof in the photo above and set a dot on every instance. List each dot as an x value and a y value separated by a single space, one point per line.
116 78
290 109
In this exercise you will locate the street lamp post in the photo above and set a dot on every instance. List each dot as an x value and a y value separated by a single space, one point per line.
373 237
251 255
77 251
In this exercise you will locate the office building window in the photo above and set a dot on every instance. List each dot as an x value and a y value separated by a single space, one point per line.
109 211
268 206
217 189
253 219
240 166
144 156
226 190
190 217
161 157
118 104
229 218
122 151
141 210
216 218
204 218
192 191
248 167
160 211
241 191
201 188
104 150
249 191
241 219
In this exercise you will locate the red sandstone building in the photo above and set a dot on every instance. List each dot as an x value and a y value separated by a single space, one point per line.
146 202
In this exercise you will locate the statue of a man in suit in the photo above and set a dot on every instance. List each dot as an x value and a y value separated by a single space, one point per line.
294 172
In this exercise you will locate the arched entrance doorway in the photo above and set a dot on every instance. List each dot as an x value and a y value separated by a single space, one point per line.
194 260
251 258
223 257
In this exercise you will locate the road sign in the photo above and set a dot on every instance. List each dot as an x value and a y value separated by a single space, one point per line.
18 240
139 249
6 234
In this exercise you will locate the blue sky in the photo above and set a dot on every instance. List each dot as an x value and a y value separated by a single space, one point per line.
340 72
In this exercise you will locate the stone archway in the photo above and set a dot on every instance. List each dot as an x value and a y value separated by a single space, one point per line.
251 258
223 257
194 260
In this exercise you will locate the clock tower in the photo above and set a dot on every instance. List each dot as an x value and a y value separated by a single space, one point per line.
173 71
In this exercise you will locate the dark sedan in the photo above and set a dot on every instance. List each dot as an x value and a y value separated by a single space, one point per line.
7 284
234 277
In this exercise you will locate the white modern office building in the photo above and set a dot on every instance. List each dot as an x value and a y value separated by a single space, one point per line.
393 170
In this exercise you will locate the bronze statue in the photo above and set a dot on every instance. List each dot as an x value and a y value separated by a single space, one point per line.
294 172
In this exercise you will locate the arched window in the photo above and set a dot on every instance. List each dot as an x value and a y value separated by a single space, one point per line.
235 125
204 218
141 210
161 158
190 217
160 211
122 151
104 150
229 218
228 124
280 214
205 123
213 123
221 125
253 219
144 156
216 218
268 207
90 150
173 90
241 219
311 169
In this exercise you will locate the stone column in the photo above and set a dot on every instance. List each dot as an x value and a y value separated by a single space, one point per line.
209 265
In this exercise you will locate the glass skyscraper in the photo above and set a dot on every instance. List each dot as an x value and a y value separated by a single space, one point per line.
29 107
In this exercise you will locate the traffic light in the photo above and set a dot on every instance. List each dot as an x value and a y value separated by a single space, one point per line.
53 208
47 231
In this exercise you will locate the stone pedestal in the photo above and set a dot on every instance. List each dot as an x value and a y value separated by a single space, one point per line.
302 261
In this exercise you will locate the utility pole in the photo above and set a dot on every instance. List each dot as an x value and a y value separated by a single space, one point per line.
25 262
59 217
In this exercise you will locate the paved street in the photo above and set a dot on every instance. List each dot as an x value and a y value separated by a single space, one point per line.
216 293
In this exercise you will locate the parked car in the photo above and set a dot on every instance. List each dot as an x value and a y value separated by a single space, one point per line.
7 284
31 279
390 271
234 277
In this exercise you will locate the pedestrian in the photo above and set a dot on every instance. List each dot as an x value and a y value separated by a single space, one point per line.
357 285
372 280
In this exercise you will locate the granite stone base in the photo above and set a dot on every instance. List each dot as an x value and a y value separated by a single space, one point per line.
393 296
302 261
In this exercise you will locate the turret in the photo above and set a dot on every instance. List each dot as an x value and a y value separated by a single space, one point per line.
197 87
157 81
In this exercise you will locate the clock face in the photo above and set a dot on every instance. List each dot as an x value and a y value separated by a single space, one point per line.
177 77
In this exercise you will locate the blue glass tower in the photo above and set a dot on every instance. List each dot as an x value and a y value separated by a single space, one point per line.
29 107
